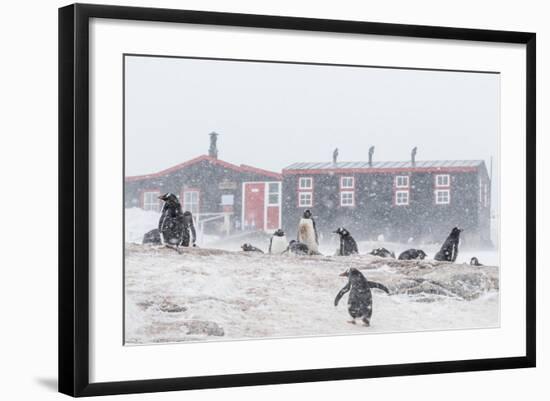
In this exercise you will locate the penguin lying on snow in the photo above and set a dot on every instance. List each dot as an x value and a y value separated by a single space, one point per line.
348 245
382 252
449 249
412 254
360 296
307 232
152 237
297 248
278 243
475 262
250 248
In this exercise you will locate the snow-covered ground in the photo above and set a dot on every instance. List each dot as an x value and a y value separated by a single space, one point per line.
204 294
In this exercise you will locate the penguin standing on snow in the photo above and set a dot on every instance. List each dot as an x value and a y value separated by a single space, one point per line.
360 295
348 245
174 225
171 220
449 249
278 243
307 232
189 233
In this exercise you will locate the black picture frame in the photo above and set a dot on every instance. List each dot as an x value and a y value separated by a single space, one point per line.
74 198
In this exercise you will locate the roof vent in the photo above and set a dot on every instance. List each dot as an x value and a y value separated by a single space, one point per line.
335 156
413 156
213 149
371 153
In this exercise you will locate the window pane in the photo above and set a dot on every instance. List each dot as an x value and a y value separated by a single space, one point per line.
306 183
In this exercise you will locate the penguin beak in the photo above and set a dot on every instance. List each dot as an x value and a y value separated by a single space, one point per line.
344 274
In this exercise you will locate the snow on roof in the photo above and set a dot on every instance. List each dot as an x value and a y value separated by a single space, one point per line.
386 165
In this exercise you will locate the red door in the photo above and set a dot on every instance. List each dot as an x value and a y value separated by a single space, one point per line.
254 205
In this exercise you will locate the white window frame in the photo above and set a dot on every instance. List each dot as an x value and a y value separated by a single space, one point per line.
347 187
405 177
186 205
436 195
401 203
151 205
352 193
303 179
277 192
446 176
301 202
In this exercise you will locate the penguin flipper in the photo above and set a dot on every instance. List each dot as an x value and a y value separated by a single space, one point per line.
315 230
374 284
341 293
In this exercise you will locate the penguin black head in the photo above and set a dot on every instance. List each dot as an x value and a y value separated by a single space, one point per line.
475 262
245 247
352 271
456 231
307 214
187 213
292 241
375 252
421 254
279 233
341 231
170 198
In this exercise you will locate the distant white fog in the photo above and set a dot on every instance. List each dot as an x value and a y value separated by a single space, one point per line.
272 115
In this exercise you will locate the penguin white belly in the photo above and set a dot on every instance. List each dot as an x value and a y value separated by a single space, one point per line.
278 244
306 234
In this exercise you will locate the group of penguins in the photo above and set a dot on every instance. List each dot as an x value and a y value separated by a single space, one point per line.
359 288
176 228
307 243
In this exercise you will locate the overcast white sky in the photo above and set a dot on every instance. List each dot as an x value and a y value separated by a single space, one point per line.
272 115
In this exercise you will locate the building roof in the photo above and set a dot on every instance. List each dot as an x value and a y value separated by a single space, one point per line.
243 168
391 166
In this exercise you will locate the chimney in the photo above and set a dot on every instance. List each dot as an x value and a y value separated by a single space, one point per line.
371 152
213 149
335 156
413 156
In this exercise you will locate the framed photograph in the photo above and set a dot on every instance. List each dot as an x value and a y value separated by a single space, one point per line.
251 199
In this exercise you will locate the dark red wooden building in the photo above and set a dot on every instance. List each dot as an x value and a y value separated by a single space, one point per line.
226 196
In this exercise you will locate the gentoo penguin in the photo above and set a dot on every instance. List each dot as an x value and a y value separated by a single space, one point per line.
475 262
383 253
412 254
250 248
152 237
449 249
307 232
189 233
348 245
297 248
278 243
360 296
171 220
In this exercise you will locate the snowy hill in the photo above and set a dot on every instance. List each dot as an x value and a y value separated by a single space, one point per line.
203 294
